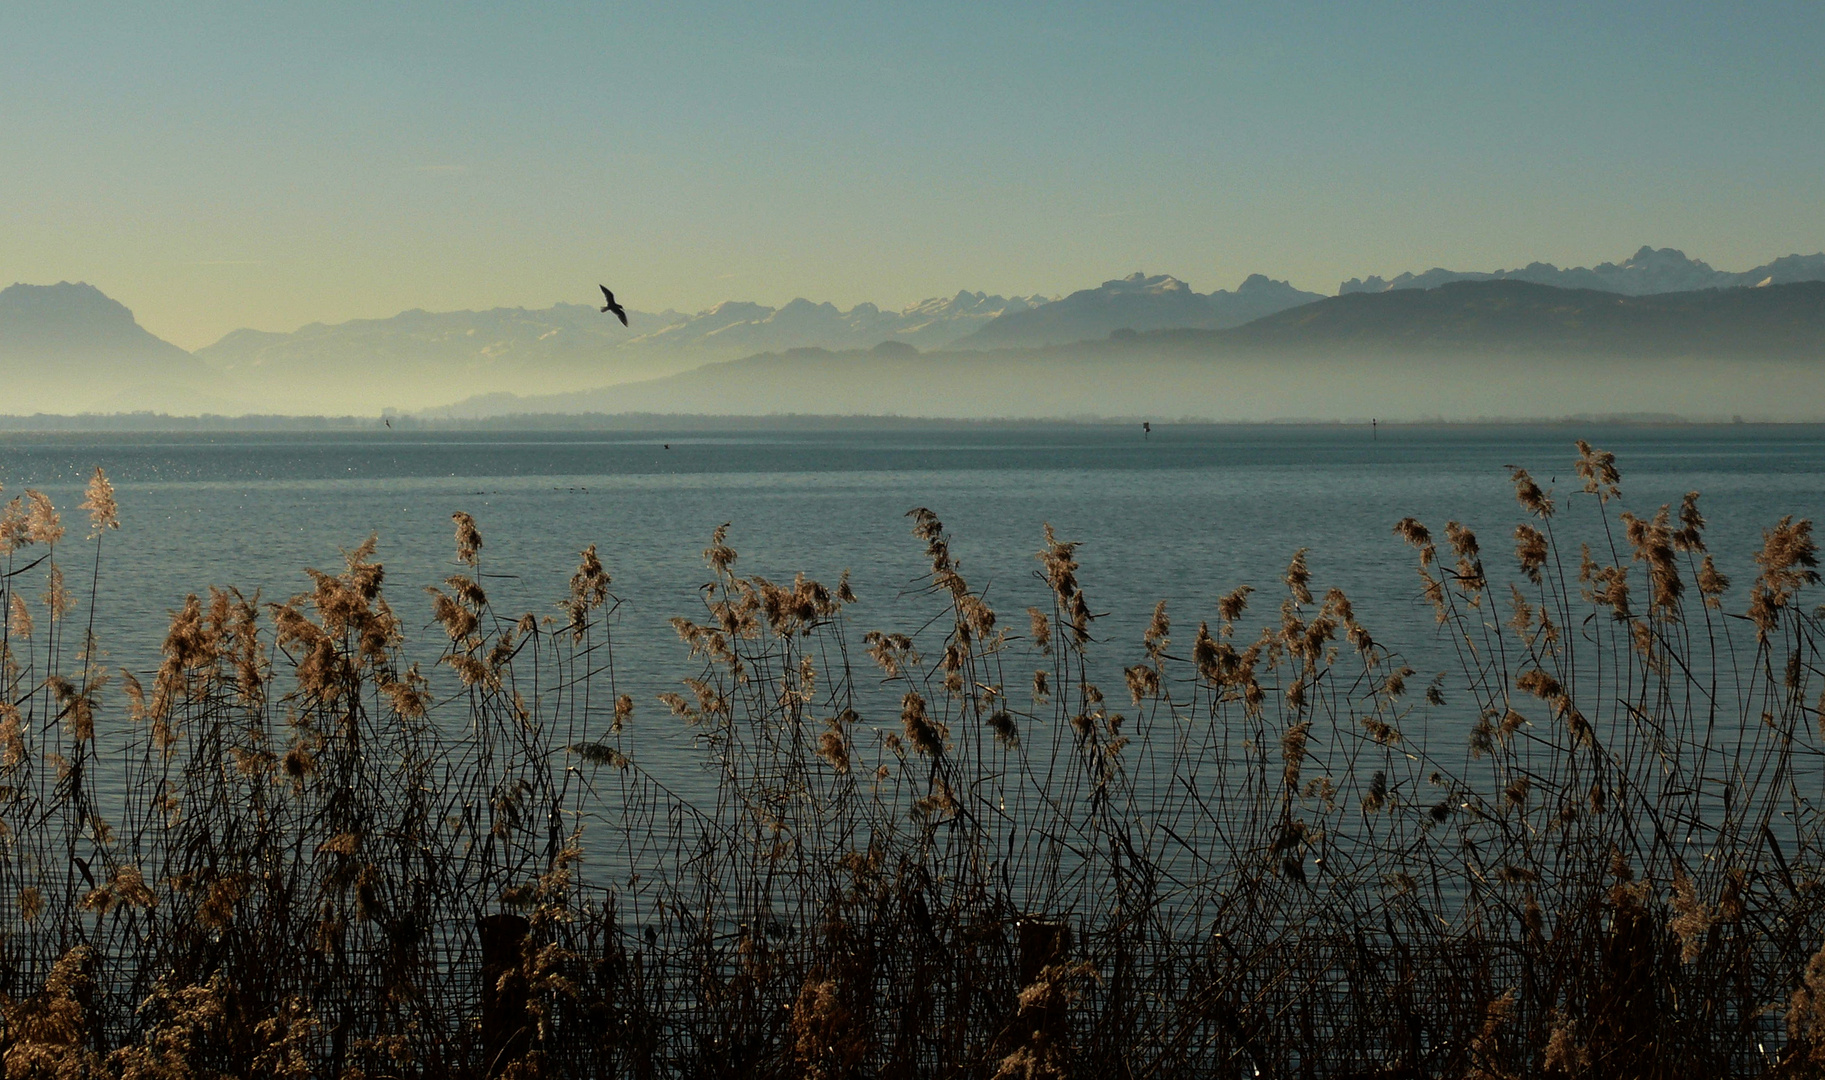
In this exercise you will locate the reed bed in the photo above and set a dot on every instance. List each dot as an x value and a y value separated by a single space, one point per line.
998 846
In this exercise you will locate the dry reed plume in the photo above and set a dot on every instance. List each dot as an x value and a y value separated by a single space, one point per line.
942 853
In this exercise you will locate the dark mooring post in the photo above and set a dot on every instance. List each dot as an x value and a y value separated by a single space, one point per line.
1044 942
504 1034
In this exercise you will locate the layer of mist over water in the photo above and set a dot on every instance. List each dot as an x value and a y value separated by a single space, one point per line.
1097 380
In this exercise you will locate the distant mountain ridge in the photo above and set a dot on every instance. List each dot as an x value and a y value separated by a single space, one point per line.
398 360
1784 322
74 316
418 359
741 328
1491 348
1137 302
1651 270
68 347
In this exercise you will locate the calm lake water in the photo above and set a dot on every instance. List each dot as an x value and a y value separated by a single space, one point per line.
1185 515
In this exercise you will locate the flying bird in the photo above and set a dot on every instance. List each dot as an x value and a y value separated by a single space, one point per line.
610 305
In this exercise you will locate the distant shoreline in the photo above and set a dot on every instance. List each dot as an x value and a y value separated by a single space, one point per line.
45 423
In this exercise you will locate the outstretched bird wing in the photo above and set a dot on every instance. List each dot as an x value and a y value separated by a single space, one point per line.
620 312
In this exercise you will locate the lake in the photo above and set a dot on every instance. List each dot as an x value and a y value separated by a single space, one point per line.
1184 514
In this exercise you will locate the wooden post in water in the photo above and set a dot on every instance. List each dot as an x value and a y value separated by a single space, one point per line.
1044 943
504 1034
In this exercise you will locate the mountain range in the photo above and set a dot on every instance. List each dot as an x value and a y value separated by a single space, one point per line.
1137 302
69 348
741 329
1506 317
1467 348
1650 271
419 358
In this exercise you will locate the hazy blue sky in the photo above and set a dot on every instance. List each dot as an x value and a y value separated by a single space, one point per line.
270 165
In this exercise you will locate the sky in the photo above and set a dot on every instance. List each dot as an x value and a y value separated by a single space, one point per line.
216 166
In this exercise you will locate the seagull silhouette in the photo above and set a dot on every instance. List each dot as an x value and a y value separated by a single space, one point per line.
620 312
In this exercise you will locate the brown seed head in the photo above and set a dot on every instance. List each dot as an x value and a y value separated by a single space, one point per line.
15 527
1040 628
1535 501
57 598
468 538
1143 682
1691 919
1298 578
1654 544
1711 584
1469 565
1230 608
21 623
1788 558
42 523
1006 733
1060 563
1410 530
926 736
589 585
12 735
719 554
1598 470
1690 536
104 513
1155 639
1541 685
1530 549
